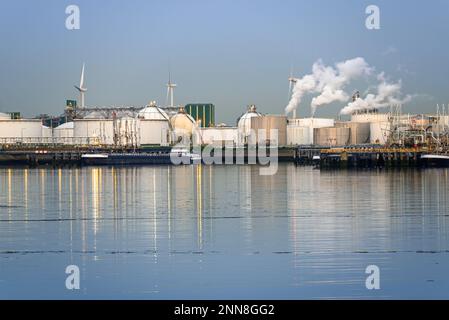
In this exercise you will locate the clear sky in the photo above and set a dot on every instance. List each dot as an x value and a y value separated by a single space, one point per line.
228 52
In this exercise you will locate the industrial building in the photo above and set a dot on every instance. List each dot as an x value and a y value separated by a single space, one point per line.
203 113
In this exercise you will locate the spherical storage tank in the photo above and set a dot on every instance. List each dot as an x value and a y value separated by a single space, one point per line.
183 125
244 123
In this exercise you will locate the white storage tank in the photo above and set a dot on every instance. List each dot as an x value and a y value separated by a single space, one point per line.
4 116
47 132
183 126
277 123
333 136
100 130
312 123
217 136
370 117
360 131
20 128
244 124
379 132
297 135
154 126
64 130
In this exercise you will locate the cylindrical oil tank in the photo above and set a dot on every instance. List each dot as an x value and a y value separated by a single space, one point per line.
101 130
220 136
379 132
64 130
297 135
269 123
20 128
47 132
360 131
313 123
5 116
154 132
370 117
331 136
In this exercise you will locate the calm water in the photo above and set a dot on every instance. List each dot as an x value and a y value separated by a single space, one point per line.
223 232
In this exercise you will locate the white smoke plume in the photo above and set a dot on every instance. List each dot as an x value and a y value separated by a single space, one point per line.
387 94
328 81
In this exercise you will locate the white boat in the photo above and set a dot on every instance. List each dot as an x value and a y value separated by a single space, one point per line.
94 156
435 160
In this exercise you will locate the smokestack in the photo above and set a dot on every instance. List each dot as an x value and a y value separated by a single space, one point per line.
328 82
355 96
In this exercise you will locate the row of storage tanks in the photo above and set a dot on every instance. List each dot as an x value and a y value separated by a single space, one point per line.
20 128
150 127
153 126
366 128
362 129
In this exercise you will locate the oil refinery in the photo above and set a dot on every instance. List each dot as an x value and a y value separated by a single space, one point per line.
152 128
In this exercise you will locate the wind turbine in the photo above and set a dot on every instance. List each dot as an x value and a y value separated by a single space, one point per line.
81 88
170 89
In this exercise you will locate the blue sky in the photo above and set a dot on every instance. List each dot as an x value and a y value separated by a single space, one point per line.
230 53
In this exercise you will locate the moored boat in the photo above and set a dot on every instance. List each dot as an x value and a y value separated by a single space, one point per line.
434 160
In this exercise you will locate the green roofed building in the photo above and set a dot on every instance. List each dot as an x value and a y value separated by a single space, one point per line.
203 113
70 103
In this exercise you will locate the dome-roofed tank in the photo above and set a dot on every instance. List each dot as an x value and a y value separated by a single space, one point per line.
4 116
65 125
183 125
64 130
244 123
182 121
152 112
95 115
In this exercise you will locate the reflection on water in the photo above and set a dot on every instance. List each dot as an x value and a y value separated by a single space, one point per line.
223 232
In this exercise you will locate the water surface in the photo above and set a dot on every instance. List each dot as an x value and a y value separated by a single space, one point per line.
188 232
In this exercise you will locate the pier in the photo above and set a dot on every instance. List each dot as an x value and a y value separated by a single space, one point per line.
371 157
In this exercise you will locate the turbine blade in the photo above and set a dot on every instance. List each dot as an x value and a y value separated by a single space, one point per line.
82 77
